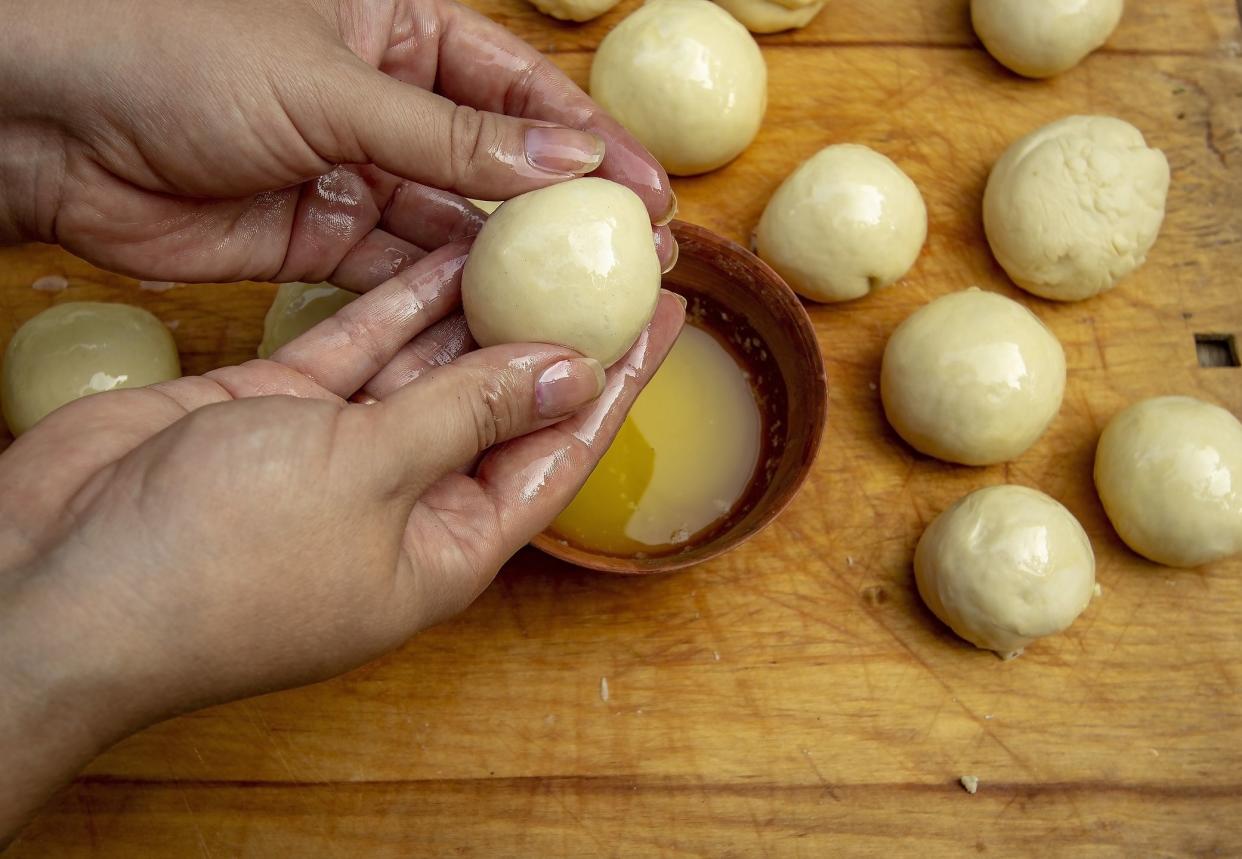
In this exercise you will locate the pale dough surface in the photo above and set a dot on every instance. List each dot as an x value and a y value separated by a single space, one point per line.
1004 566
686 79
973 378
1075 206
574 10
296 309
79 348
573 265
771 16
846 221
1169 473
1041 38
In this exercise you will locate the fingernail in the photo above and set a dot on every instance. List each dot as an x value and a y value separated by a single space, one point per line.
677 296
567 386
671 212
672 264
565 151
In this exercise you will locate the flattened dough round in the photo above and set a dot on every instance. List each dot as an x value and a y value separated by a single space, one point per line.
973 377
1042 38
574 10
573 265
1169 473
1004 566
1075 206
846 221
772 16
79 348
686 79
296 309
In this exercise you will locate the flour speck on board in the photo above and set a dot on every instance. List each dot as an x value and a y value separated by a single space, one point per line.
603 688
970 783
156 285
50 283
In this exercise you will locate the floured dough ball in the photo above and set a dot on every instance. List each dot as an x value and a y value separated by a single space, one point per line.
972 377
1074 207
1004 566
686 79
574 10
845 222
773 16
573 265
1042 38
79 348
1169 473
296 309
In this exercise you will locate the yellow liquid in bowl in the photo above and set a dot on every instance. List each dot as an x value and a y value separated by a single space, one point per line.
681 461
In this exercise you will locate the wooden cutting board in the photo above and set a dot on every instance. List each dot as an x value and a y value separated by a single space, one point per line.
791 698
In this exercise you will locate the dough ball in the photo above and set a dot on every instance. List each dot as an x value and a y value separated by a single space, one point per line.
1074 207
1041 38
1004 566
79 348
686 79
574 10
296 309
573 264
972 377
772 16
487 206
1169 473
845 222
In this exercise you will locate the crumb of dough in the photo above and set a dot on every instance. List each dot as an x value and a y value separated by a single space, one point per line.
970 783
1098 590
603 688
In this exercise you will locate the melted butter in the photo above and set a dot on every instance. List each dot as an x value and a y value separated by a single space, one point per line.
681 461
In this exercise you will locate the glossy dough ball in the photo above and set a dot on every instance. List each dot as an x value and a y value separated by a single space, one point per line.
686 79
1004 566
1041 38
972 377
296 309
80 348
1075 206
772 16
574 10
1169 473
573 265
845 222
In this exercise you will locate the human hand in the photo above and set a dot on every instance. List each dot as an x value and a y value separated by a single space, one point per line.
205 141
166 548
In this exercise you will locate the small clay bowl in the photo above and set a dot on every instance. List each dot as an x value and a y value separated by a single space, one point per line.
734 294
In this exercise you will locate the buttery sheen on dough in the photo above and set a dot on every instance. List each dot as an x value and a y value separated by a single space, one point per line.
79 348
846 221
1004 566
573 265
773 16
1042 38
973 378
1169 473
296 309
574 10
686 79
1075 206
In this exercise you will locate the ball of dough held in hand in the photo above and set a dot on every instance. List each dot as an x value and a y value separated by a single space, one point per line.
80 348
1042 38
686 79
772 16
573 264
1074 207
296 309
1169 473
973 377
1004 566
574 10
845 222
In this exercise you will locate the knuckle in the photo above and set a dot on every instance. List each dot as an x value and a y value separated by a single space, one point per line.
491 411
469 135
362 339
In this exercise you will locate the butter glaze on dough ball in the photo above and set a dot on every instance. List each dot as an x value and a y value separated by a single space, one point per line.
845 222
574 10
78 348
573 265
296 309
973 378
1041 38
686 79
1075 206
1169 473
1004 566
772 16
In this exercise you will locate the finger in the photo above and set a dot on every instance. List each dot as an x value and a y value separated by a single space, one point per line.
424 216
345 350
378 257
666 248
441 344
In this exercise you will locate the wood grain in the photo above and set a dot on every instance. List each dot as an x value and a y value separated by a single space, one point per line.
793 697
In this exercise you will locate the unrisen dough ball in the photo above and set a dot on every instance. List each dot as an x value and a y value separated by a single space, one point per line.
1169 472
1004 566
1041 38
1074 207
686 79
573 264
972 377
772 16
574 10
79 348
296 309
845 222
